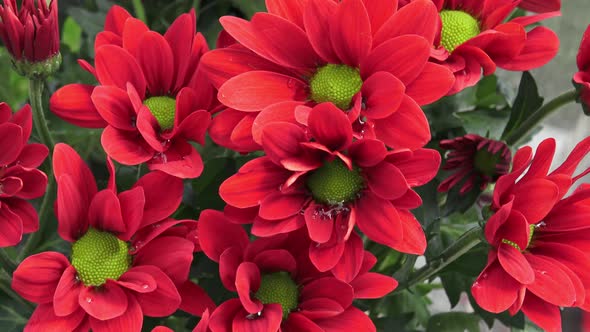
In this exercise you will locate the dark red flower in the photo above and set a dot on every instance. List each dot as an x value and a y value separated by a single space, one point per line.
540 6
475 160
582 77
31 33
152 98
114 276
20 180
366 57
474 37
538 262
320 178
278 287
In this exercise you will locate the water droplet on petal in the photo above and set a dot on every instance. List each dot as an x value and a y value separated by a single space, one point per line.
88 299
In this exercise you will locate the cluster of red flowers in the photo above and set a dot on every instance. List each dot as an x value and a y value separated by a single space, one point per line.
331 91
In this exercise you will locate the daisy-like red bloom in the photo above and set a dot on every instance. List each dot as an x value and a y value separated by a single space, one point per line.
31 33
474 37
475 160
539 261
113 277
582 77
323 180
20 180
278 287
540 6
152 98
366 57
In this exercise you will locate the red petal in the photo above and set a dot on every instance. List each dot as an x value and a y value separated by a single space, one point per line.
289 10
281 140
382 94
319 308
25 211
433 83
181 160
270 320
330 126
404 57
372 285
367 152
265 228
544 314
419 168
417 18
350 32
130 320
156 60
115 66
319 227
407 128
161 302
216 234
127 148
71 209
535 199
414 240
317 17
494 290
248 283
351 261
330 288
114 107
386 181
515 264
108 302
195 300
11 137
351 320
281 112
72 103
132 207
379 220
38 276
138 280
255 90
280 206
180 36
105 212
541 46
551 284
65 299
171 254
325 257
12 227
115 19
44 319
160 204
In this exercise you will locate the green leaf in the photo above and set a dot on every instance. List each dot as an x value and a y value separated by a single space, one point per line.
484 122
527 101
488 94
249 7
72 35
452 322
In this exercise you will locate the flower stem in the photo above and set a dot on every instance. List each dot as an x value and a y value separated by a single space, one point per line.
139 10
8 263
529 124
36 87
466 242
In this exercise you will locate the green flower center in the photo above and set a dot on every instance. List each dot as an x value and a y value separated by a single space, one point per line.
163 108
532 228
98 256
279 288
485 162
334 183
457 28
336 84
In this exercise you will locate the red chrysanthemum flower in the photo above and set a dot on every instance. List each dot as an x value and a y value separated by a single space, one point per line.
20 180
278 287
582 77
477 161
152 98
538 262
113 277
475 38
540 6
324 180
365 57
31 33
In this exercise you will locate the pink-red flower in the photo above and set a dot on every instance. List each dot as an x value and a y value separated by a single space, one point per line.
20 180
31 33
366 57
475 160
115 275
321 179
539 260
278 288
152 98
582 77
474 37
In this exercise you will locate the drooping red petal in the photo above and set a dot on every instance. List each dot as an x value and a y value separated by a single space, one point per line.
494 290
319 227
414 239
379 220
65 299
372 285
515 264
72 103
216 234
45 319
114 106
248 283
108 302
131 320
127 148
542 313
37 277
164 300
351 261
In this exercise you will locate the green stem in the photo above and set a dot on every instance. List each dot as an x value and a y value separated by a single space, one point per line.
8 263
139 10
533 121
466 242
36 86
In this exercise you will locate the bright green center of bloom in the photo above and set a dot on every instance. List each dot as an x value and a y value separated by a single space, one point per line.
336 84
457 28
163 108
279 288
334 183
532 231
485 162
98 256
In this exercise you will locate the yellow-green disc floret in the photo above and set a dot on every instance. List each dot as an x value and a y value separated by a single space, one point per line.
457 28
334 183
279 288
336 84
163 108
